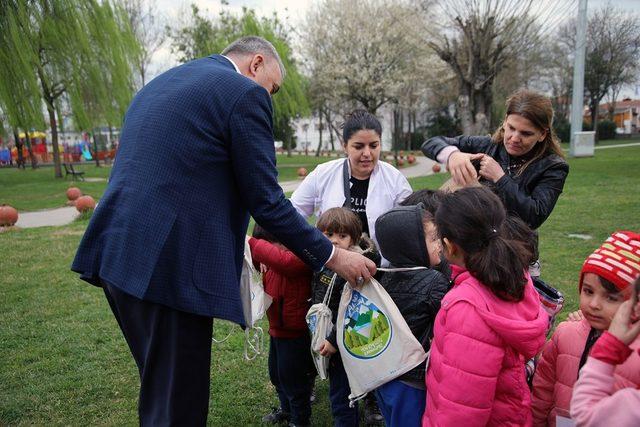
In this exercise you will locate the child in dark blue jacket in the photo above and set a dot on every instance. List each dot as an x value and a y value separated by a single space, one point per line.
407 237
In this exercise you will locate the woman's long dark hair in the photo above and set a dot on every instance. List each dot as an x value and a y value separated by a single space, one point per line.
475 219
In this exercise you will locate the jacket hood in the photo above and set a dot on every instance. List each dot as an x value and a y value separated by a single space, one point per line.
401 238
367 247
522 325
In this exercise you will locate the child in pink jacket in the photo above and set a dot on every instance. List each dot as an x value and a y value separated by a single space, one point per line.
595 401
605 282
489 323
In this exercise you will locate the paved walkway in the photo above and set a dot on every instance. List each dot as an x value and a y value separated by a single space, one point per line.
631 144
63 216
49 217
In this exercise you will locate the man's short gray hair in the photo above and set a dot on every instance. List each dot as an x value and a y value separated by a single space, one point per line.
250 45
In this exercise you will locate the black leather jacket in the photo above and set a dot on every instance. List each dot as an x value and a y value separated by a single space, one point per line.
532 195
416 293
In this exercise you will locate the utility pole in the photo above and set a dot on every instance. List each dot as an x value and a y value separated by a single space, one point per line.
577 104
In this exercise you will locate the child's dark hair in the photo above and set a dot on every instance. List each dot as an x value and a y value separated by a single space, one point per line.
475 220
608 286
341 220
360 120
430 199
517 229
261 233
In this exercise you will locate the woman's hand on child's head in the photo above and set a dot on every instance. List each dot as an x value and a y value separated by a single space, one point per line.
263 268
575 316
622 326
327 349
490 169
461 169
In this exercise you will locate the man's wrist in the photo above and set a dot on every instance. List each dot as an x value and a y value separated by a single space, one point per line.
333 253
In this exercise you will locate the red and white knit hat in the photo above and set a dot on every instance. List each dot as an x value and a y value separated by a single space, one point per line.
617 260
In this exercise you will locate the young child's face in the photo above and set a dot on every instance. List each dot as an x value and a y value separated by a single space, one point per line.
341 240
434 245
597 304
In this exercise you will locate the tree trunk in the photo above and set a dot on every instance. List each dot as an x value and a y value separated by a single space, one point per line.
320 132
54 140
95 148
19 147
408 134
594 117
61 126
330 127
464 109
32 157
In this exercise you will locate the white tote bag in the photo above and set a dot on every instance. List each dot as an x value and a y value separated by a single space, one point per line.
320 325
255 302
375 342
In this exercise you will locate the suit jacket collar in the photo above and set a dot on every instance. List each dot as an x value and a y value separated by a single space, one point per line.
223 60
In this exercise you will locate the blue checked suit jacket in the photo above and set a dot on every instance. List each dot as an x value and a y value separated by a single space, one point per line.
196 157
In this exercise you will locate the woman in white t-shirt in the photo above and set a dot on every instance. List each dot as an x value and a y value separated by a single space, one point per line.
361 182
368 187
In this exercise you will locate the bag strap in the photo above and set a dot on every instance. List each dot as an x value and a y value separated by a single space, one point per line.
253 342
347 188
327 295
213 330
393 270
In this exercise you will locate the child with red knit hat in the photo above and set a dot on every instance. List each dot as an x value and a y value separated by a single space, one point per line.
605 283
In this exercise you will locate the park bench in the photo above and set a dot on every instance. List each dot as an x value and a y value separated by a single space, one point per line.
68 170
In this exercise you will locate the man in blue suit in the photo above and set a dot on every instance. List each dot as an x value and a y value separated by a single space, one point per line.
166 241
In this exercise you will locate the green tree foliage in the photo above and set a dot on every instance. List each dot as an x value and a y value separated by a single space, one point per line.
83 49
203 36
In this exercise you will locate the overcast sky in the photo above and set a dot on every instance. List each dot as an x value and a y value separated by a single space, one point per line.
295 11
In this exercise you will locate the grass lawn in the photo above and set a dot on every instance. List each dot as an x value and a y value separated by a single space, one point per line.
606 142
35 189
65 362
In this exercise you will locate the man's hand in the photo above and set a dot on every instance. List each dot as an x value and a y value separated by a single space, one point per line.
461 169
327 349
622 326
351 266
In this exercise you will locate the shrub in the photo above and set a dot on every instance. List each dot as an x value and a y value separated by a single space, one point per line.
606 130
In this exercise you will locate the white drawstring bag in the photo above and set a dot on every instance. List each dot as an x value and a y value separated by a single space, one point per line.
255 302
320 324
375 342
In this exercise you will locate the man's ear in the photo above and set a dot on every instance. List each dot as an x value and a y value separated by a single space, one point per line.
256 62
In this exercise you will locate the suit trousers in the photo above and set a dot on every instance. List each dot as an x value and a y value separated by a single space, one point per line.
173 352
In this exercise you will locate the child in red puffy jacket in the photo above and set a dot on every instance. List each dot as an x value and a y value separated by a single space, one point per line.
288 281
604 285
